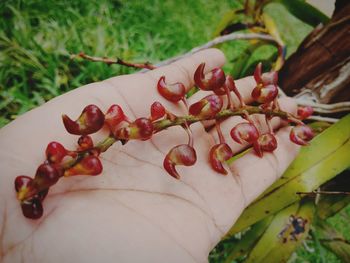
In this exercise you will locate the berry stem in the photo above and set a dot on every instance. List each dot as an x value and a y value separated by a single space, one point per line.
219 131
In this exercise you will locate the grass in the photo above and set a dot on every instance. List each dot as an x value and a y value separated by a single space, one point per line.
37 38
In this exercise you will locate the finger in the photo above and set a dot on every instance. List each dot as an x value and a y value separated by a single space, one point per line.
141 90
183 70
286 104
256 174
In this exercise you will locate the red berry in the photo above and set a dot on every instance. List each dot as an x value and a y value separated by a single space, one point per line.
141 128
244 132
22 181
172 92
218 154
266 143
182 154
157 111
90 121
114 116
32 208
90 165
213 80
301 134
266 85
85 142
305 112
46 176
207 107
24 187
55 152
264 94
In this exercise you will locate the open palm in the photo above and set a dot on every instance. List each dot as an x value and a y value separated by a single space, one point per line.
134 211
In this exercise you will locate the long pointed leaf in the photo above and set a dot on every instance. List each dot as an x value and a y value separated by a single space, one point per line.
314 172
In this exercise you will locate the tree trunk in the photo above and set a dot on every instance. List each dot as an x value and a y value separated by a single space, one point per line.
320 67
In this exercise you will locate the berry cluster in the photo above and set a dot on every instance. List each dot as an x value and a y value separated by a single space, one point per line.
61 162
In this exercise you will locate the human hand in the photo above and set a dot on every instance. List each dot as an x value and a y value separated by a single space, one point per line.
134 211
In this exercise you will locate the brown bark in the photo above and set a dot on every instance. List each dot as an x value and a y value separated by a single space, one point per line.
322 62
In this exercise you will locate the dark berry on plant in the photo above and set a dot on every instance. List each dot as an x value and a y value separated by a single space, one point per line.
90 121
265 94
24 187
265 143
182 154
218 154
301 134
207 107
171 92
266 89
32 208
244 132
90 165
141 128
114 116
46 176
157 111
85 142
305 112
213 80
55 152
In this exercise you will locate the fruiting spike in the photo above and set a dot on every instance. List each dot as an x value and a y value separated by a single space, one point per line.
265 143
213 80
141 128
301 134
114 116
55 152
305 112
89 165
207 107
182 154
90 121
244 132
157 111
172 92
220 153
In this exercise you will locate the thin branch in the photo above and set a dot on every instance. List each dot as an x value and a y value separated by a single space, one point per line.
217 41
317 192
320 118
110 61
325 108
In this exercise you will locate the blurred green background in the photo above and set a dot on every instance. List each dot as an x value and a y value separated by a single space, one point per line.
37 38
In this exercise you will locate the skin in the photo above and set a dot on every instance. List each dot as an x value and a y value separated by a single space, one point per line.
134 211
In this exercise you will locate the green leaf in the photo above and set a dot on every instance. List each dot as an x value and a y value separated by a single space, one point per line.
327 156
241 247
291 29
305 12
265 53
333 241
287 230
